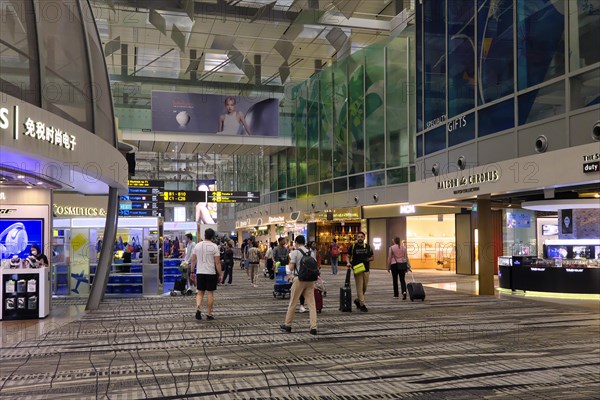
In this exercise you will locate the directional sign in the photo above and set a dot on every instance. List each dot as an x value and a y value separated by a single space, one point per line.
233 197
184 196
144 199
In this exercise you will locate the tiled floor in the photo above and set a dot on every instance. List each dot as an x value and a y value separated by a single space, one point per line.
452 346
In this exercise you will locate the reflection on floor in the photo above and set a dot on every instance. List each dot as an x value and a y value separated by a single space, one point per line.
454 345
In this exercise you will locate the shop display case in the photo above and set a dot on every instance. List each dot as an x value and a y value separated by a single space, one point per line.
344 234
25 293
124 278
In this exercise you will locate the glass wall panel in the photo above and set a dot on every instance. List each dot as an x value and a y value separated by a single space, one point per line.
419 66
292 168
543 103
300 132
326 126
312 132
461 56
67 80
584 26
495 49
419 145
313 189
291 193
397 86
340 122
434 62
461 129
435 140
585 89
282 169
540 41
356 182
497 118
398 175
374 107
273 172
104 125
340 184
326 187
19 65
375 178
356 113
301 192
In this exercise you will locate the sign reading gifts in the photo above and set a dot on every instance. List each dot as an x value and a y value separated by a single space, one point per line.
37 130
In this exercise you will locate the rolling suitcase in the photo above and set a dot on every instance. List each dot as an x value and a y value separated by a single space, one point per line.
318 300
346 294
415 289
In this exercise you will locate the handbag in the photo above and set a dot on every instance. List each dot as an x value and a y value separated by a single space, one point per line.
402 268
358 268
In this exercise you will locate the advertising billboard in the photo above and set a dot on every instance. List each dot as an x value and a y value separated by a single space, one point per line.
214 114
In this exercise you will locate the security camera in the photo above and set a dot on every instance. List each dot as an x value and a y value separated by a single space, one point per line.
541 144
375 197
435 169
596 131
313 205
356 199
326 204
462 162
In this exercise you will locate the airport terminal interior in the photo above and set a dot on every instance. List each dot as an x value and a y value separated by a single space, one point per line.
440 158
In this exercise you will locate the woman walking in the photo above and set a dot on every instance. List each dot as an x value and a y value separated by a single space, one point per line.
398 265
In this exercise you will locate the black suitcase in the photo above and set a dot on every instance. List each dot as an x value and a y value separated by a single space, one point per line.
346 294
180 285
415 290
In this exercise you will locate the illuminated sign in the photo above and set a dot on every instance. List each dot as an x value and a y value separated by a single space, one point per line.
2 196
233 197
184 196
407 209
483 177
377 243
277 219
145 183
78 211
538 269
574 269
591 163
37 130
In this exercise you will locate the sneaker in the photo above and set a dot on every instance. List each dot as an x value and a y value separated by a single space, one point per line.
302 309
357 303
404 296
285 328
210 318
313 332
198 315
364 309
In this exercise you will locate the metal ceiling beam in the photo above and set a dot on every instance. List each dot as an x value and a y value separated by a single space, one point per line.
220 9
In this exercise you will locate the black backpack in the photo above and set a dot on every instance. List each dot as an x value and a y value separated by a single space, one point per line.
308 271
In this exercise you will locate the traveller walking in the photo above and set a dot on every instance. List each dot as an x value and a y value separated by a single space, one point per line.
334 253
398 265
300 288
228 263
207 260
254 256
360 253
189 250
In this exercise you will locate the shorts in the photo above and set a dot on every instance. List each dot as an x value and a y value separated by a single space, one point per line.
206 282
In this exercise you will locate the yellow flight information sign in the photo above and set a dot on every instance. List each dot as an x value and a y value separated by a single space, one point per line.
183 196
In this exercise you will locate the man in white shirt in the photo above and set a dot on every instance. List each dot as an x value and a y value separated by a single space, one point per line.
300 288
206 258
189 250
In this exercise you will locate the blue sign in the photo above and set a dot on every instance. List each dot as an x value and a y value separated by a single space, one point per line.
17 236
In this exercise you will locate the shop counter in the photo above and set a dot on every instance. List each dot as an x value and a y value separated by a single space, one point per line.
25 293
550 279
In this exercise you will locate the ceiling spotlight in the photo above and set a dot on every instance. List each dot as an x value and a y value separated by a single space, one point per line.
29 187
40 183
20 176
597 195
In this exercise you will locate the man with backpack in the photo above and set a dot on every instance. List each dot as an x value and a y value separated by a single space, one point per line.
305 272
360 252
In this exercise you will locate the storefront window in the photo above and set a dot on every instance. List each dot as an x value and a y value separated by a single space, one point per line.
519 233
495 49
461 56
19 61
434 62
540 41
584 26
496 118
397 117
374 107
356 113
543 103
584 89
326 126
312 132
340 127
